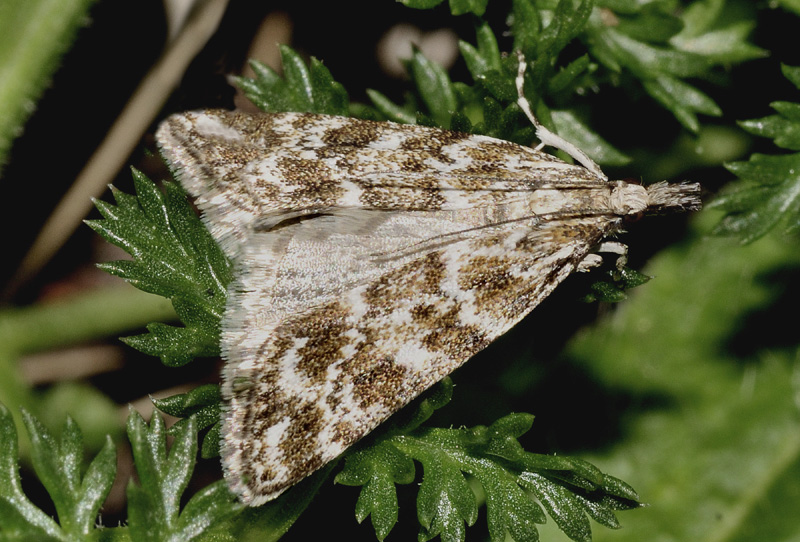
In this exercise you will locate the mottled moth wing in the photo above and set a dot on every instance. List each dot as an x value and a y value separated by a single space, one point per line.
249 172
371 260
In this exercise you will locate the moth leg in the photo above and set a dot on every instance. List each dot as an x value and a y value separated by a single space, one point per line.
546 137
593 259
589 262
614 247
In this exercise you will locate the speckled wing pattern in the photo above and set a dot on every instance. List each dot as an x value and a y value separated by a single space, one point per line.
371 260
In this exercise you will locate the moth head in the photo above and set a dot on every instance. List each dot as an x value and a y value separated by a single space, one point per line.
632 200
628 199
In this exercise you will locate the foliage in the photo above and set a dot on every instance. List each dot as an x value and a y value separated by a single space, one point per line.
154 511
173 256
568 489
58 464
33 36
768 192
664 358
310 89
154 507
716 368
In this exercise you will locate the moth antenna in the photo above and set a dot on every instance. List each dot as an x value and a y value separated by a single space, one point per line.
545 136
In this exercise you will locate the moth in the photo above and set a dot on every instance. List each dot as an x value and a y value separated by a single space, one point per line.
371 259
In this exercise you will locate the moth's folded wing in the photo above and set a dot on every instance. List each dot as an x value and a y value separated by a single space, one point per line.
255 171
306 379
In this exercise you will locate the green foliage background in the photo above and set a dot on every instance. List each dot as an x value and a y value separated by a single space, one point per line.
687 390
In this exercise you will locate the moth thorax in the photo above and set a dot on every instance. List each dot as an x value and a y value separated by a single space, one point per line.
628 199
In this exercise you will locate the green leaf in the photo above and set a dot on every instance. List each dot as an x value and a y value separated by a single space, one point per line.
793 5
567 23
509 509
457 7
377 469
614 289
571 128
561 505
526 24
683 100
784 128
329 96
446 502
640 40
421 4
434 87
200 405
305 89
723 411
768 190
460 7
475 451
58 464
390 110
485 57
34 34
378 465
605 292
648 60
298 79
191 403
652 24
768 194
173 256
704 34
154 511
21 518
727 45
568 78
792 73
499 85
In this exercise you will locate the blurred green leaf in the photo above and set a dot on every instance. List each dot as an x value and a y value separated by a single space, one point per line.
721 431
571 128
77 492
768 190
792 5
724 43
662 50
34 34
434 87
486 56
457 7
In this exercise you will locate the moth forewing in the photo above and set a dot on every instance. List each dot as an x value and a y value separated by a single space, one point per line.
371 260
